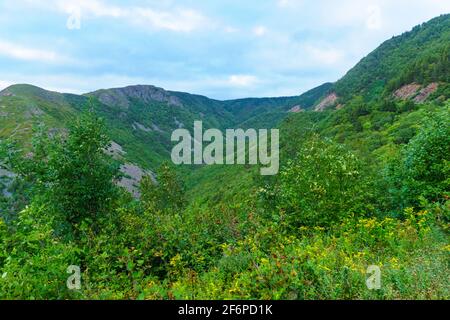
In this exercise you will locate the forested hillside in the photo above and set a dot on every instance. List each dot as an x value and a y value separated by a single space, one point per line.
420 56
364 181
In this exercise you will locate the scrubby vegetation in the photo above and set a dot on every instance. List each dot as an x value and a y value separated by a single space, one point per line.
310 233
364 185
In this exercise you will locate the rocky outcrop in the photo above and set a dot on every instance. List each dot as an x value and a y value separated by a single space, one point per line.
416 92
407 91
327 102
180 124
296 109
426 92
115 150
6 93
6 178
137 125
33 111
133 175
156 128
122 96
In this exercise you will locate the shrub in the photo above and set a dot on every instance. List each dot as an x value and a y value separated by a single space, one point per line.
321 185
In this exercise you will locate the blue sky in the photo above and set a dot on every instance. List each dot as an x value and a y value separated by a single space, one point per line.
220 48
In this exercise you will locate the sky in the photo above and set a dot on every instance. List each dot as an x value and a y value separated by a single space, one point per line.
223 49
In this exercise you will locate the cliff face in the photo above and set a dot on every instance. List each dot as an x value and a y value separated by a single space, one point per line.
123 97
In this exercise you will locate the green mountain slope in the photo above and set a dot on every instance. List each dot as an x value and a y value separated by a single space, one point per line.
373 118
363 186
140 118
420 55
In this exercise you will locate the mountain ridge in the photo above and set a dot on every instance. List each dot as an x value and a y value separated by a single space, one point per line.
139 116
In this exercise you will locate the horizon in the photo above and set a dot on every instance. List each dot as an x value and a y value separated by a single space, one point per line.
284 47
150 85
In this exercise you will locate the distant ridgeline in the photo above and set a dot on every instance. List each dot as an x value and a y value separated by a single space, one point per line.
413 67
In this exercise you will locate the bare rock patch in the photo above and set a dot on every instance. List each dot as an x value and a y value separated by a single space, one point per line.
426 92
407 91
327 102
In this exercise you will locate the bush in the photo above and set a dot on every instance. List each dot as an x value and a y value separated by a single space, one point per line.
165 194
321 186
423 170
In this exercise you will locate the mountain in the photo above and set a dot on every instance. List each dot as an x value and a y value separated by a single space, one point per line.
363 185
375 108
140 118
141 115
419 56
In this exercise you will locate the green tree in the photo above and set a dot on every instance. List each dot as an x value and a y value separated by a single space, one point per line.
322 185
167 193
71 173
427 158
422 170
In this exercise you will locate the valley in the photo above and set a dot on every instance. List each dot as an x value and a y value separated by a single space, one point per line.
363 181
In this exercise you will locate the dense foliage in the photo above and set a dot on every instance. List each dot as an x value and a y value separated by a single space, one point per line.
364 185
420 55
309 234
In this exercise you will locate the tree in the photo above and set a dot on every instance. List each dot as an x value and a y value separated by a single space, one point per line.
422 170
70 173
165 194
427 158
321 185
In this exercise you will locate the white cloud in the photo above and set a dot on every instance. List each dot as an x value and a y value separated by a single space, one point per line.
181 20
259 31
374 21
242 80
92 7
289 3
283 3
176 19
19 52
324 55
4 84
230 29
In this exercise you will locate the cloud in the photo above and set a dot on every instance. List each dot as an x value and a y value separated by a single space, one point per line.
242 80
283 3
91 7
19 52
181 20
230 29
176 19
259 31
324 55
289 3
4 84
374 21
